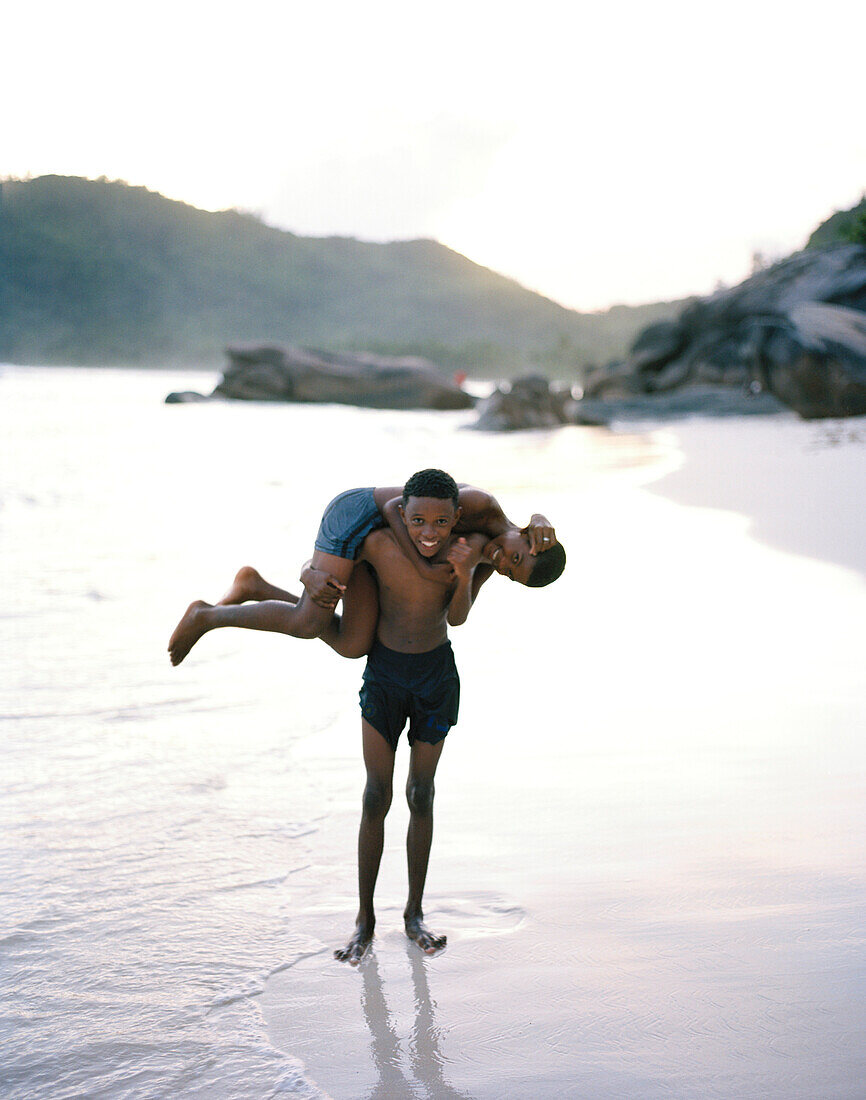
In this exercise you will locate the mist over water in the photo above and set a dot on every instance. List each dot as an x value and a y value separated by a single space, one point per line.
648 849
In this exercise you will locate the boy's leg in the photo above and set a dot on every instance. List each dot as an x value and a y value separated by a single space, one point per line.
419 794
351 632
379 762
249 584
304 619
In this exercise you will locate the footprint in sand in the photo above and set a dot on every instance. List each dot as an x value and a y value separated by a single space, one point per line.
476 916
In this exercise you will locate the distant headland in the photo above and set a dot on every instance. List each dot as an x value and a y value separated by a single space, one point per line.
99 272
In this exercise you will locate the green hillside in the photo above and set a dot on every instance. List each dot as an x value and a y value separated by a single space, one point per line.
843 227
100 272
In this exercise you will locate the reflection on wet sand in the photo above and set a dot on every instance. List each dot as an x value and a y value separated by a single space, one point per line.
427 1063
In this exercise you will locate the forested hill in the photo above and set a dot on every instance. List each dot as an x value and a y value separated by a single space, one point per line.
95 272
843 227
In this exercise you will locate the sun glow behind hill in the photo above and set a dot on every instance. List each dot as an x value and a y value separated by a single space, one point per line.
621 153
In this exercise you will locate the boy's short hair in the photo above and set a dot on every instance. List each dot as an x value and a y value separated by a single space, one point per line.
432 483
549 565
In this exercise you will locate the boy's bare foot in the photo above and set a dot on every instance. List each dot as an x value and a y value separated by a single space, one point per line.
416 930
357 946
247 584
188 631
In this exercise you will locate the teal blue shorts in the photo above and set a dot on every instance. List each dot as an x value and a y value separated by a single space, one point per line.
347 521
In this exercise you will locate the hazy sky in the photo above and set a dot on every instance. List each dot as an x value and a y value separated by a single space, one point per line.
613 152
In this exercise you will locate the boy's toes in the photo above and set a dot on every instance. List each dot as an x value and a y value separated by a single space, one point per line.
426 940
355 949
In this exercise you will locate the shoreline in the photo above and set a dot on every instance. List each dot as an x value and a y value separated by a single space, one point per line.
798 482
645 849
649 824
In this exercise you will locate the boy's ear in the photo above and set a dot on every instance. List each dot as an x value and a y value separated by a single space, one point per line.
458 512
402 513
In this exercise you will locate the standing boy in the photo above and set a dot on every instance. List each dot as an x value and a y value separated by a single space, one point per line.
411 675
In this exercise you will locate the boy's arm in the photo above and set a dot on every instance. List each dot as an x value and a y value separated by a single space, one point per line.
483 512
322 588
540 533
441 573
465 556
481 573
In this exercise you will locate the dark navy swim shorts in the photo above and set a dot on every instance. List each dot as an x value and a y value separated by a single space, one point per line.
421 687
347 521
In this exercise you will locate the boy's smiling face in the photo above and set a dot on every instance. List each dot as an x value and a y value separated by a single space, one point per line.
509 555
429 522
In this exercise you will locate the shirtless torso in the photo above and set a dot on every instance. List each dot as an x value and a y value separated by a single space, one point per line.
414 612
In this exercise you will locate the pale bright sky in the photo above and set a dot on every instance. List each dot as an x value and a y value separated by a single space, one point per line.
604 153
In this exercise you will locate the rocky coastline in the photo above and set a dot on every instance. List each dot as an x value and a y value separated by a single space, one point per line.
270 373
792 336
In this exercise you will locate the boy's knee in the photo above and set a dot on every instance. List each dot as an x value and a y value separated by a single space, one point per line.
310 620
377 800
310 627
419 795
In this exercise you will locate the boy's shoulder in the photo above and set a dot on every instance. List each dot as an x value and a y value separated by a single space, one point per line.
377 542
381 550
470 496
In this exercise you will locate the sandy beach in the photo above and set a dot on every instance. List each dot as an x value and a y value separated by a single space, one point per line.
649 847
648 856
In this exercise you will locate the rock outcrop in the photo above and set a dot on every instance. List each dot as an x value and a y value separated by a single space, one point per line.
185 397
796 331
534 403
530 402
303 375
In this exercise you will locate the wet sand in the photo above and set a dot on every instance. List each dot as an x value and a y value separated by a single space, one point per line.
649 838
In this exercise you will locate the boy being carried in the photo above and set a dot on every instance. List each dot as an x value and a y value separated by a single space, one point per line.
529 555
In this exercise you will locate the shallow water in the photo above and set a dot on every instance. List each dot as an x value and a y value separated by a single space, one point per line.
154 821
649 822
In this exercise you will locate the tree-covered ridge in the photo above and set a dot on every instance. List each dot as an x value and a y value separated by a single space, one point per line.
103 272
843 227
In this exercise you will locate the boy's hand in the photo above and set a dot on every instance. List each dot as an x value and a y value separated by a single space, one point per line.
463 559
441 573
540 533
323 589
